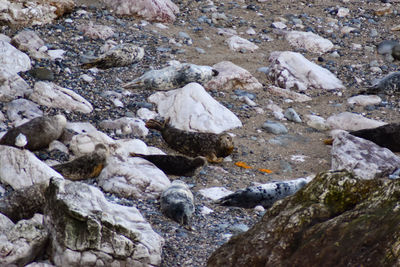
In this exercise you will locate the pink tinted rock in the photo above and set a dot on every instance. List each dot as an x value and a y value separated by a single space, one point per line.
96 31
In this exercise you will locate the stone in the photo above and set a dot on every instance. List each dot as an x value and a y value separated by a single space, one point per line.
331 222
124 147
230 77
133 177
21 168
84 226
364 100
151 10
191 108
96 31
22 110
309 41
12 85
342 12
146 114
317 122
13 60
23 242
362 157
386 47
226 32
5 38
287 93
56 54
237 43
352 122
51 95
126 125
27 41
274 127
292 115
215 193
84 143
292 70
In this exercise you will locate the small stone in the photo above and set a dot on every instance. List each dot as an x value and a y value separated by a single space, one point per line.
275 127
44 74
292 115
86 78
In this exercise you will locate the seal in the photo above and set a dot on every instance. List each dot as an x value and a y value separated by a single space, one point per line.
39 132
389 85
265 195
210 145
175 165
177 202
84 167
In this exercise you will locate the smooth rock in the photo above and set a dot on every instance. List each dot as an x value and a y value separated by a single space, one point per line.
352 122
12 85
215 193
292 115
124 147
13 60
317 122
364 100
146 114
231 76
275 127
287 93
27 41
85 143
126 125
56 54
191 108
22 110
237 43
96 31
386 47
308 41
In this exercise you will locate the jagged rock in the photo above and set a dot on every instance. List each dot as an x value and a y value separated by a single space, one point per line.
352 122
51 95
308 41
13 60
292 70
191 108
362 157
27 41
126 125
336 220
22 110
88 230
96 31
152 10
230 77
23 242
20 168
237 43
12 85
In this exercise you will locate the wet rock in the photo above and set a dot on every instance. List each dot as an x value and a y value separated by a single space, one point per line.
96 31
292 70
308 41
237 43
352 122
13 60
12 85
85 227
292 115
151 10
231 76
348 210
21 110
364 100
287 93
362 157
274 127
126 125
191 108
51 95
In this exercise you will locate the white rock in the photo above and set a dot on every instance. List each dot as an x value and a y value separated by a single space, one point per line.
96 31
82 144
12 85
347 29
56 54
279 25
21 168
27 41
80 127
191 108
152 10
237 43
251 31
287 93
86 78
127 125
146 114
226 32
57 145
317 122
362 157
364 100
12 59
342 12
352 122
22 110
205 210
292 70
5 38
126 146
231 76
132 177
308 41
215 193
52 95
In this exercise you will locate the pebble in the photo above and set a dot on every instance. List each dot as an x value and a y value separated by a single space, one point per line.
238 228
86 78
292 115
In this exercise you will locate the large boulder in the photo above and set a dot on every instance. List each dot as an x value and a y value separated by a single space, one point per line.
338 219
87 230
191 108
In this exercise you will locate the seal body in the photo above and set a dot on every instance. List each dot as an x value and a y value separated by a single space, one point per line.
389 85
264 195
385 136
39 132
175 165
210 145
177 202
84 167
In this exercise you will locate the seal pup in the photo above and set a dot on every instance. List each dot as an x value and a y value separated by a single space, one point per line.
387 135
264 195
118 56
84 167
210 145
389 85
175 165
39 132
177 202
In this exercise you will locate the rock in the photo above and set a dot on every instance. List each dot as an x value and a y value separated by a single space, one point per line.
12 86
80 127
96 31
191 108
364 100
85 143
292 115
126 125
87 229
125 147
44 74
133 177
274 127
215 193
237 43
292 70
309 41
226 32
350 212
172 77
362 157
151 10
231 76
386 46
23 242
286 93
5 38
146 114
352 122
51 95
86 78
56 54
278 25
13 60
342 12
24 12
27 41
21 168
317 122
